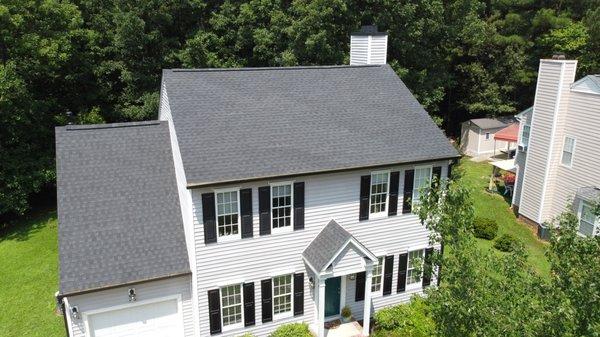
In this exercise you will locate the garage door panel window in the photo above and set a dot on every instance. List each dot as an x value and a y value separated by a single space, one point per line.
231 306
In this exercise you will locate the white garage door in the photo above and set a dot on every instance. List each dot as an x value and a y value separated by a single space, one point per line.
159 319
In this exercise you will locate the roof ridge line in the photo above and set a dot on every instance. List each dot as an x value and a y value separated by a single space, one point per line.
110 125
181 70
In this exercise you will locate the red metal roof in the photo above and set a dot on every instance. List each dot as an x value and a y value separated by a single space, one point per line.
509 133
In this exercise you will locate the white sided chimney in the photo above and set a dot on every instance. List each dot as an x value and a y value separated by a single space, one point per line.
368 46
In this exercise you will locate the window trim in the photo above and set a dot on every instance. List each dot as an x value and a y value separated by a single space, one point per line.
562 152
285 314
380 291
383 213
596 224
522 127
241 323
289 228
430 167
232 237
419 284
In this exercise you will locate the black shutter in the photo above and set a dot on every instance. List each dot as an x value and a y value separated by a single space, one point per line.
298 206
427 267
359 290
208 217
450 170
409 177
365 187
267 300
299 294
439 274
249 312
246 210
393 204
264 209
388 271
214 311
437 173
402 265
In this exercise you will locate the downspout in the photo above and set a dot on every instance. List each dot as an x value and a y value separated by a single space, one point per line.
60 301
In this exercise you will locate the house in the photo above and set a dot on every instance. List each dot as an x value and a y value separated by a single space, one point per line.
478 136
558 159
261 196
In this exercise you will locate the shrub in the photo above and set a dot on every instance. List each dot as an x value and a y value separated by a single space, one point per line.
485 228
506 243
406 320
292 330
346 312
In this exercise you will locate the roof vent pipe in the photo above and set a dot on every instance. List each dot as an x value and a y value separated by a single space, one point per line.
368 46
559 56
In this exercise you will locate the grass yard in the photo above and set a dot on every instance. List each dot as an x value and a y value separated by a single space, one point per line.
29 278
493 206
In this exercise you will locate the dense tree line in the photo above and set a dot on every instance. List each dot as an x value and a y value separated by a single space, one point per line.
102 60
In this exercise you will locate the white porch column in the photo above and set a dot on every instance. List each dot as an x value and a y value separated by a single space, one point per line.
321 308
367 308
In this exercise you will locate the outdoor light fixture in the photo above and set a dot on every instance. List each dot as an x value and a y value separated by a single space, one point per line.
132 296
311 282
352 277
75 313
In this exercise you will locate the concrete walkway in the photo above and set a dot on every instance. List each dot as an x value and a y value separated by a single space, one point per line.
351 329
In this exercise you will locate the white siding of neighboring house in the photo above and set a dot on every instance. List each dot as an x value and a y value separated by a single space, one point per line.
542 130
469 138
327 196
368 49
520 160
145 291
583 123
185 197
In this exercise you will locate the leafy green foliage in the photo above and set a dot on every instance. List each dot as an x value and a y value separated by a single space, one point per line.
484 228
406 320
507 243
292 330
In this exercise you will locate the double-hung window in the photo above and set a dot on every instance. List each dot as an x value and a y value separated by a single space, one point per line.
588 221
227 213
421 180
377 276
379 192
525 131
231 306
568 150
281 206
414 269
282 296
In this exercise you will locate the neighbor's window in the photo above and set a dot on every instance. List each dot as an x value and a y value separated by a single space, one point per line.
282 295
415 267
281 205
227 213
567 153
588 222
421 180
379 191
487 136
524 140
231 304
377 272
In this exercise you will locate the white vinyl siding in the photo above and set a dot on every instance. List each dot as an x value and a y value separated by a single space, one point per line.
421 180
588 221
379 192
282 296
414 270
227 214
281 206
568 151
327 196
377 276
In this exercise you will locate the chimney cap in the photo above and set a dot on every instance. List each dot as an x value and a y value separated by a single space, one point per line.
369 30
559 56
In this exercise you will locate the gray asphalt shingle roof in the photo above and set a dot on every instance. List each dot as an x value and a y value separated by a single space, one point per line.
488 123
325 245
238 124
118 206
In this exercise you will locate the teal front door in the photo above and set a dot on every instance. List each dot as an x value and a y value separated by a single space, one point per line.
333 287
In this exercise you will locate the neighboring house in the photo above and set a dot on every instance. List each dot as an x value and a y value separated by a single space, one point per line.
263 196
558 158
477 136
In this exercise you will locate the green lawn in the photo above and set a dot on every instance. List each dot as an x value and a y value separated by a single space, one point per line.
494 206
29 278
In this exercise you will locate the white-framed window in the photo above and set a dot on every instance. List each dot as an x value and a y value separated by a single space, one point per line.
414 270
228 210
378 200
568 151
377 276
281 206
422 179
282 296
487 136
588 221
231 307
525 132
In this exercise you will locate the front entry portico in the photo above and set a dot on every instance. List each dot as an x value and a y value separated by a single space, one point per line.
332 257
